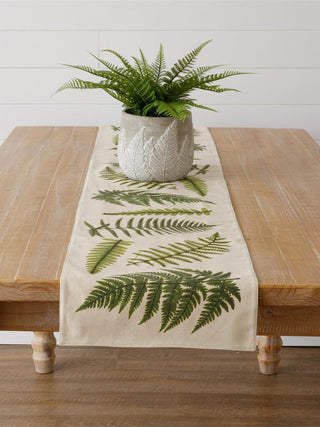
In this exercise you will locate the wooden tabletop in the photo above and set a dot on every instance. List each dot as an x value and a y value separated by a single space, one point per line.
273 176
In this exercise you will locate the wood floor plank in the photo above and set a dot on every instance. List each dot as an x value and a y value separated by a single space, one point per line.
158 387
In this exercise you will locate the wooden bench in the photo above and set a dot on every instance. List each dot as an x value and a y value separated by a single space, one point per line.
273 177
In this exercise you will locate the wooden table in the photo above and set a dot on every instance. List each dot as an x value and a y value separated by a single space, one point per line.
273 176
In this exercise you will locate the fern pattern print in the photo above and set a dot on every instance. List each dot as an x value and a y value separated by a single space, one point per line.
159 263
175 293
184 290
187 251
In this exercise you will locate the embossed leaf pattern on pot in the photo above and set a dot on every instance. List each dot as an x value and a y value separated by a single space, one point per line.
156 159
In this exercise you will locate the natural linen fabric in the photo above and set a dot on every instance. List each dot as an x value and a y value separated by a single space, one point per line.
97 268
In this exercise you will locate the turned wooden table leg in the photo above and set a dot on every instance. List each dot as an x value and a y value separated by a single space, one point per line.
269 357
43 344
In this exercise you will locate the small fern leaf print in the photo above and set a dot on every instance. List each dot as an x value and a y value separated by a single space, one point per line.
199 147
118 177
172 212
143 198
105 254
195 184
148 226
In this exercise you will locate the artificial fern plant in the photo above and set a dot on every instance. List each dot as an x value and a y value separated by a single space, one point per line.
152 89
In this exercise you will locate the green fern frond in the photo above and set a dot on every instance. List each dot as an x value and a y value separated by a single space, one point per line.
215 77
125 62
121 73
152 90
201 70
203 107
105 254
99 73
159 65
146 68
217 89
173 293
184 64
111 175
172 212
175 109
195 184
187 251
143 198
148 226
80 84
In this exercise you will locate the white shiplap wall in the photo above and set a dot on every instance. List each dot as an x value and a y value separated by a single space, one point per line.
277 40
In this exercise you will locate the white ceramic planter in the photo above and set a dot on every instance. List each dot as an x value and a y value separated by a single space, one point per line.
155 148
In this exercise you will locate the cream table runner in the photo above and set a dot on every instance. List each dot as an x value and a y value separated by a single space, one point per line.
157 264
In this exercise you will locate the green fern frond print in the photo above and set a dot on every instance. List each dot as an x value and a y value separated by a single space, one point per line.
187 251
143 198
200 170
199 147
195 184
174 294
172 212
111 175
148 226
105 254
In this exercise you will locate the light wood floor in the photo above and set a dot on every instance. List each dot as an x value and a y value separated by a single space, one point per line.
158 387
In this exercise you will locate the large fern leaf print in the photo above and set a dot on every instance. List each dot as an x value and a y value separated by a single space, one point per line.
175 294
105 253
187 251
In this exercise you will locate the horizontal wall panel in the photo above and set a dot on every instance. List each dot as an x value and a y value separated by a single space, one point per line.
47 49
269 116
238 48
160 15
39 86
283 86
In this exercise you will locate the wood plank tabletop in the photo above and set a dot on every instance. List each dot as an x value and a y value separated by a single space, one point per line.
273 176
